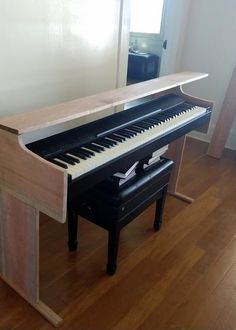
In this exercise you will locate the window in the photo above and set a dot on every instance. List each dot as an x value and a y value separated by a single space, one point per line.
146 16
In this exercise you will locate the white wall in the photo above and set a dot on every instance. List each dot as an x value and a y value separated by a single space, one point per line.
210 46
57 50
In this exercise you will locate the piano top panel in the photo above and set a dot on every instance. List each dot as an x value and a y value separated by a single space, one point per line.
61 113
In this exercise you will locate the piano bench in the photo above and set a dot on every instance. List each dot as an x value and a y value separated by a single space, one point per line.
112 210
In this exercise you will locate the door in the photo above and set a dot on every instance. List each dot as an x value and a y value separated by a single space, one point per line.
146 39
167 40
174 23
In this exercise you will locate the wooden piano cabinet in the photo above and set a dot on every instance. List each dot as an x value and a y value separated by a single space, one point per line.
30 184
19 252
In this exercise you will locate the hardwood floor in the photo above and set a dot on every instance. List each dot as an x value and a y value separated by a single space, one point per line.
183 277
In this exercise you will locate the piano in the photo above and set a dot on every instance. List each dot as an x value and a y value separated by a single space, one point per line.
98 149
49 174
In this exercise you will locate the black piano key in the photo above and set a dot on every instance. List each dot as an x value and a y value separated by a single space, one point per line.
167 116
110 141
135 129
161 119
157 121
120 137
145 124
141 127
84 152
102 148
99 146
79 154
154 121
171 117
175 109
103 143
114 137
131 134
137 126
56 162
129 130
89 152
93 147
175 112
66 159
73 158
124 134
180 109
150 123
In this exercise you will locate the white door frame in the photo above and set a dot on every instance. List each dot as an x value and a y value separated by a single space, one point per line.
123 43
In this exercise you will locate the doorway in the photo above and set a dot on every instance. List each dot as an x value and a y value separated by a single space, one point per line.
146 39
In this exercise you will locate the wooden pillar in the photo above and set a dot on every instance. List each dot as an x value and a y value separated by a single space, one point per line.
224 121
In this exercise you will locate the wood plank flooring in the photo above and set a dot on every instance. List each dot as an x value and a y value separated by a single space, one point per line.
183 277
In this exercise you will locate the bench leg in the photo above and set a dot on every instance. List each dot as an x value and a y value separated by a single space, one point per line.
113 245
159 209
72 220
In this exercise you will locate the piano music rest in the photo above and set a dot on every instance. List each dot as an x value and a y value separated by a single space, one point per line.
112 210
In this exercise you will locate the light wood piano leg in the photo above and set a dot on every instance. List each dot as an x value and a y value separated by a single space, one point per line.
19 252
175 152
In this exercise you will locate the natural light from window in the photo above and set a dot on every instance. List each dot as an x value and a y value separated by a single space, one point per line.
146 16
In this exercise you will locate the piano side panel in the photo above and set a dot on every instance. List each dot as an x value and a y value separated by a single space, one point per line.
197 101
176 148
31 179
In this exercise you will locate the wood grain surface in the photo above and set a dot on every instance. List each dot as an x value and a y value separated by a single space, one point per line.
19 242
225 120
32 179
19 252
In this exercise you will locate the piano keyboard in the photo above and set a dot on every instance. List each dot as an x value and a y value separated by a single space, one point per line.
113 144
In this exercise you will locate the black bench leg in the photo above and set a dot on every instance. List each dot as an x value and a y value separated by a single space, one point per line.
159 209
113 245
72 220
